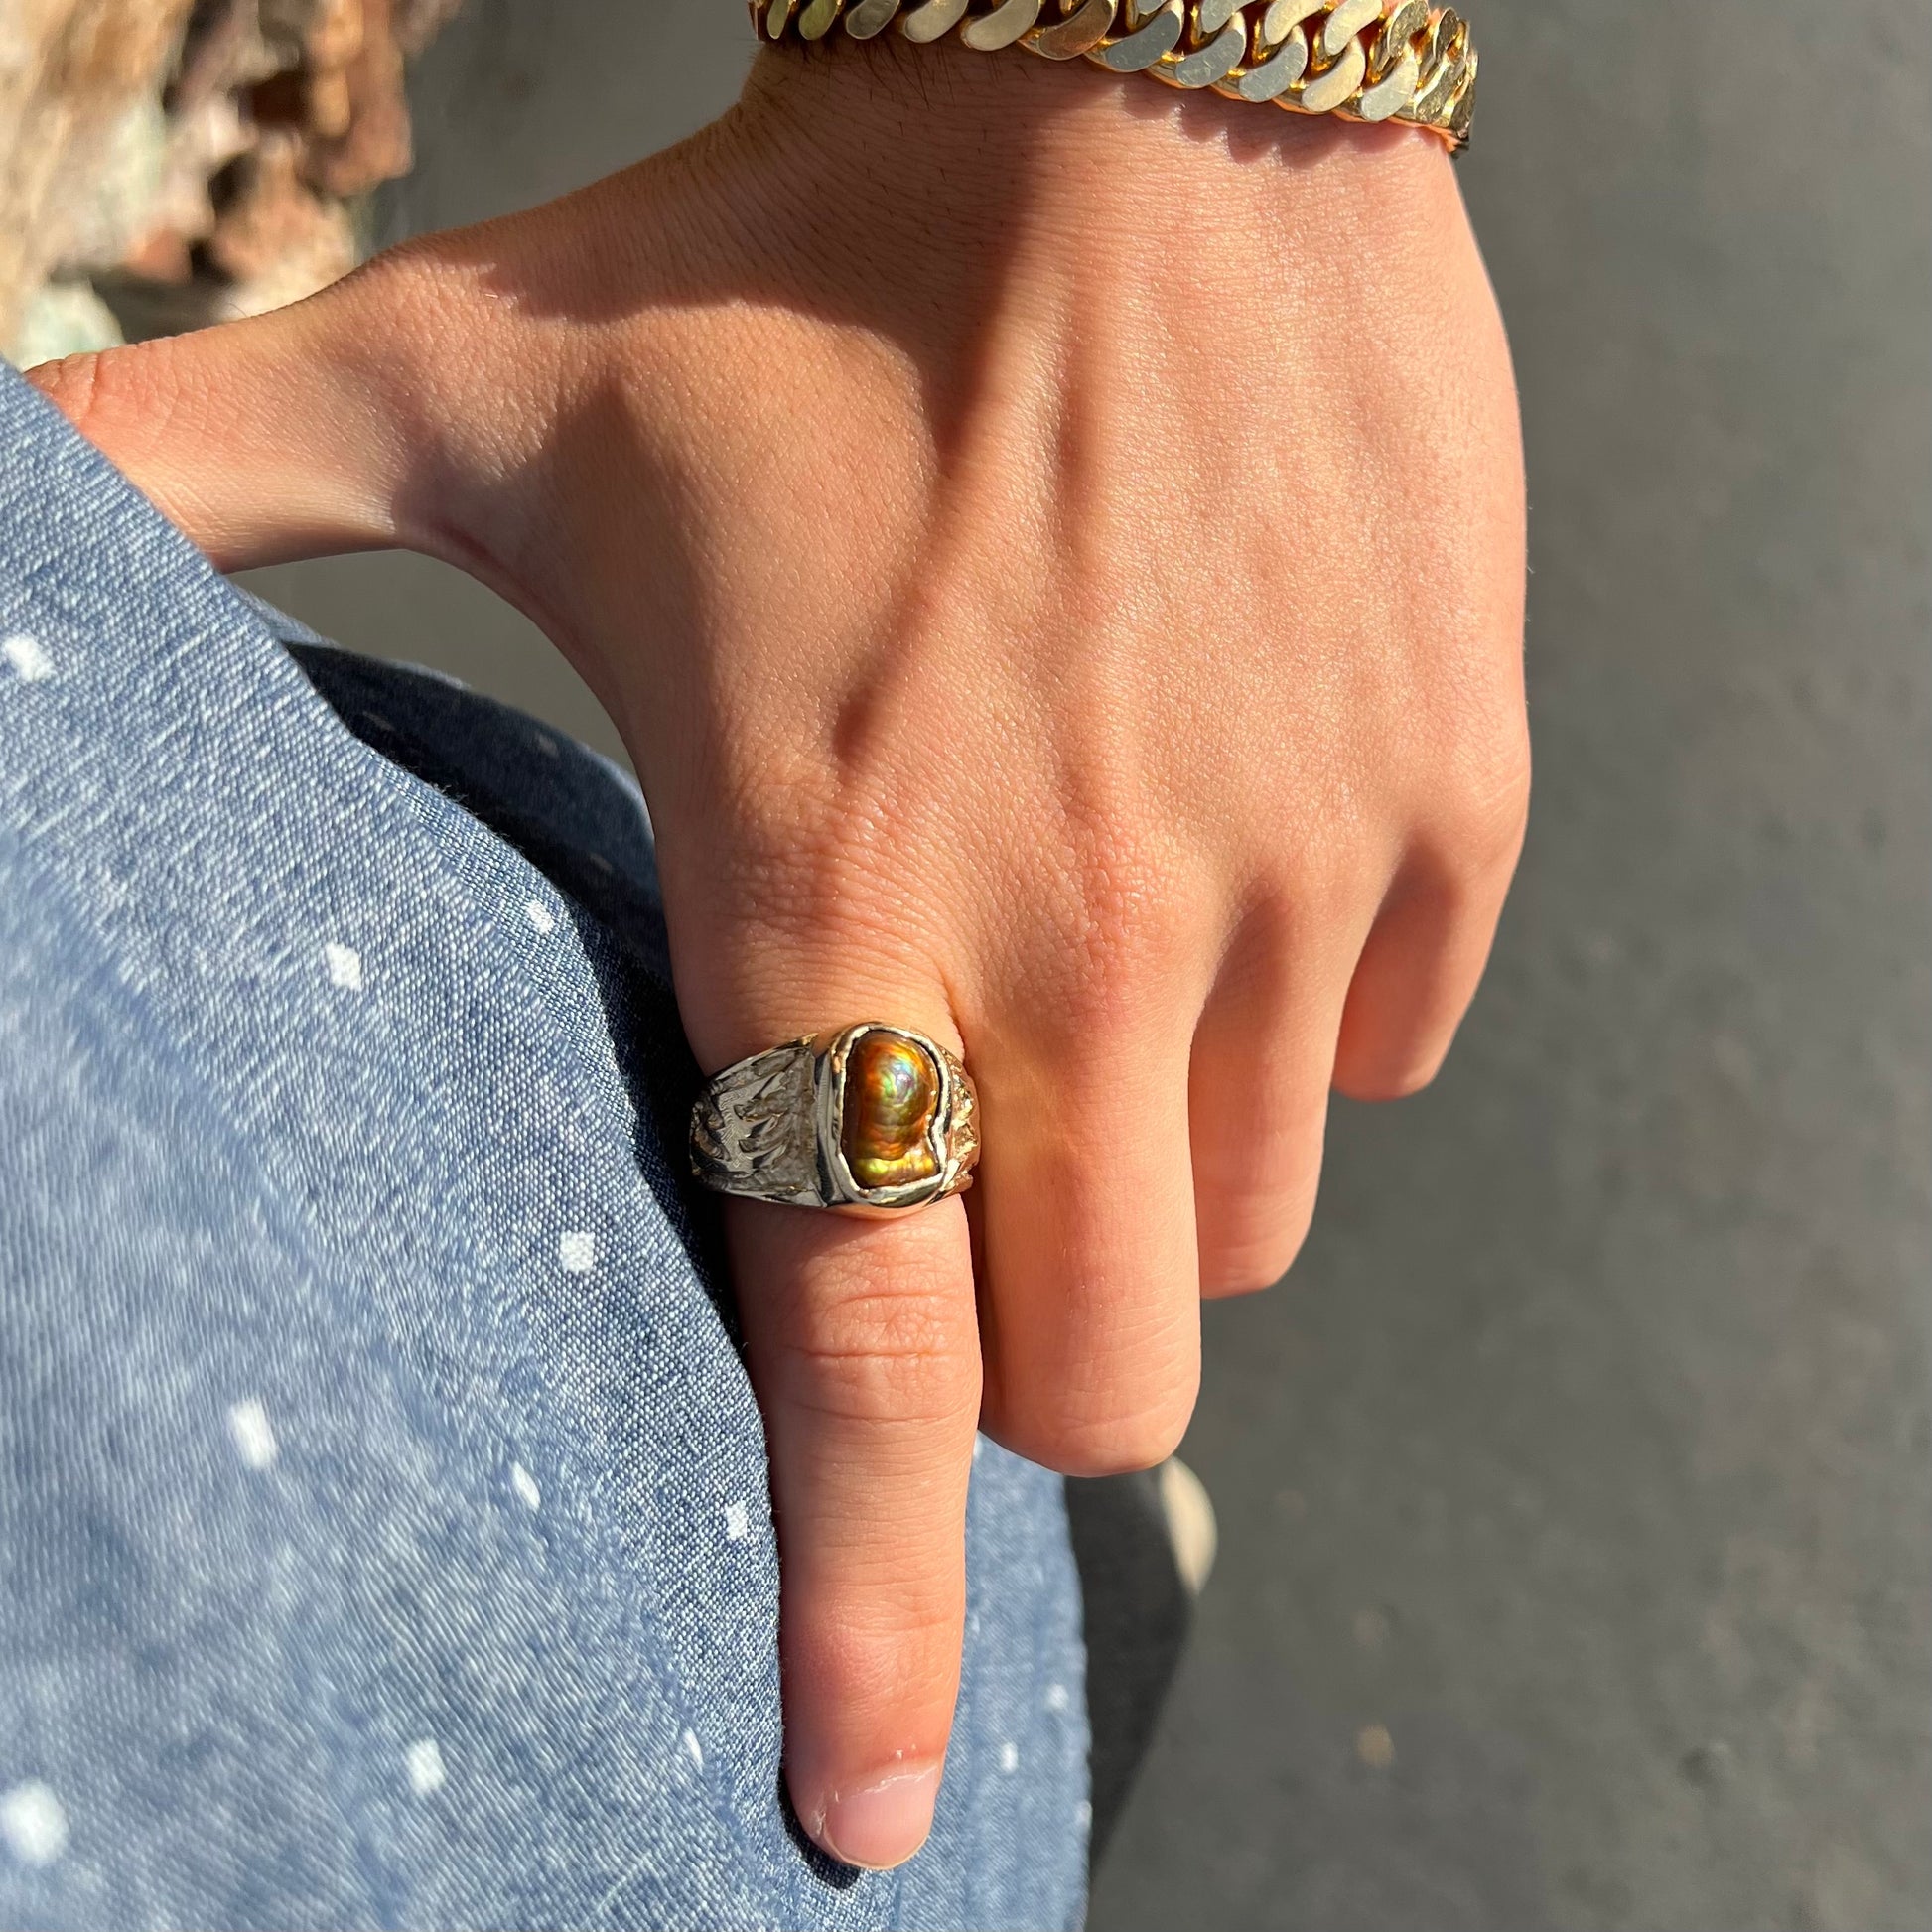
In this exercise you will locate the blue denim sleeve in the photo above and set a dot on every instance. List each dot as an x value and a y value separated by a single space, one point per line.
385 1537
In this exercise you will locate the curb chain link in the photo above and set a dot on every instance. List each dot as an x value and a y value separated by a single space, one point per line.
1359 59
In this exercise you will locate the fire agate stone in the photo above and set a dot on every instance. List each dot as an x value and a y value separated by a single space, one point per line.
891 1090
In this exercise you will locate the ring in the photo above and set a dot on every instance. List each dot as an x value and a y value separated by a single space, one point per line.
875 1119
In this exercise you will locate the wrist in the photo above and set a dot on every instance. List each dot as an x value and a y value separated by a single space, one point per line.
945 101
945 82
906 152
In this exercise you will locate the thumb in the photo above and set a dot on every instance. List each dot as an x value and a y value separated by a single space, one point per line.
286 435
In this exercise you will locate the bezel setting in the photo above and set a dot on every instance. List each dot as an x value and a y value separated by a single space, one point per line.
829 1111
772 1127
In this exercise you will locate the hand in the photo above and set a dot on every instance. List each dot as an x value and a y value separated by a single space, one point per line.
1054 552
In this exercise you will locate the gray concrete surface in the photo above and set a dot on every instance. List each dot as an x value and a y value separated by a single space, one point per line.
1586 1453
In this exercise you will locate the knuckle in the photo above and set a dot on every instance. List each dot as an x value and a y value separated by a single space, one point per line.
1257 1178
890 1654
782 803
1128 919
1086 1426
1112 1445
1246 1259
68 386
1387 1080
878 1343
1486 800
103 391
812 865
1234 1276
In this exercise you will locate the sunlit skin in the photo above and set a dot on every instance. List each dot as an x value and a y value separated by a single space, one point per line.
1053 548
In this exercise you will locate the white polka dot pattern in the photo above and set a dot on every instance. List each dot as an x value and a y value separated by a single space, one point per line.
33 1823
252 1436
405 1402
345 966
29 658
426 1769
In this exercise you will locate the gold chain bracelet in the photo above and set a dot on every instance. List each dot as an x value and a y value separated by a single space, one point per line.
1360 60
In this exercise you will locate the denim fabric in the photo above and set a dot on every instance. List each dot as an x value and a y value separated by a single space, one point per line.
385 1536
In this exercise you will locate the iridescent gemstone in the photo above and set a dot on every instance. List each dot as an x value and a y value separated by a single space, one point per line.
891 1090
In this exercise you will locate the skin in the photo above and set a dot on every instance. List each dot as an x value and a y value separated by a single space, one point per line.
1055 551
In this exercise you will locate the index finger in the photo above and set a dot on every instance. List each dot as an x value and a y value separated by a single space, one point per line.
864 1350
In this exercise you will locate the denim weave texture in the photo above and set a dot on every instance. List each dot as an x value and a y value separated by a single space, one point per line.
385 1532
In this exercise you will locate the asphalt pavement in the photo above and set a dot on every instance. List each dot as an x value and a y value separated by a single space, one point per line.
1576 1489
